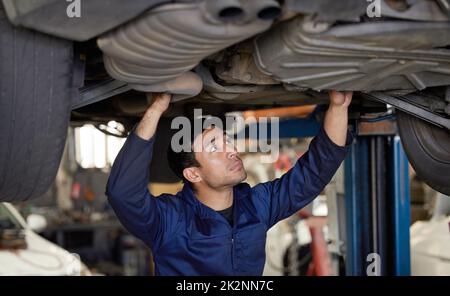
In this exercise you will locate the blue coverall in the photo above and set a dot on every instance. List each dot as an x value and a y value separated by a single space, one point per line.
189 238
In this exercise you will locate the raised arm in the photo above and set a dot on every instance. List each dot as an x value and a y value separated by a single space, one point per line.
147 126
336 118
149 218
282 197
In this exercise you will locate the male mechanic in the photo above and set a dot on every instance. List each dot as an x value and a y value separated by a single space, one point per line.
216 225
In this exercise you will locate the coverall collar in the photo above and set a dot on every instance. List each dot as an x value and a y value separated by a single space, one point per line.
240 191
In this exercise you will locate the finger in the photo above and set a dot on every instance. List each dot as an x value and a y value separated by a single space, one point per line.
335 92
348 95
334 95
330 95
348 98
166 96
157 95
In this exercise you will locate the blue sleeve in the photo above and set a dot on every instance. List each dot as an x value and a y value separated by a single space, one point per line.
152 219
282 197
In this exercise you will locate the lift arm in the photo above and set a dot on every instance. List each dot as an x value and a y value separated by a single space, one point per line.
402 103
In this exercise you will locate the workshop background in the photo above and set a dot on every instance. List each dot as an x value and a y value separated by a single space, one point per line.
77 75
331 236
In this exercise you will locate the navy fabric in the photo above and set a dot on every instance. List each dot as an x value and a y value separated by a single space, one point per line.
189 238
227 214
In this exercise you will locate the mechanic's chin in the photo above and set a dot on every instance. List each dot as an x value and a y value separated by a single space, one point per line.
239 176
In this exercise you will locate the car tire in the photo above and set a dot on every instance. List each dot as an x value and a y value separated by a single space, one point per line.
35 91
428 150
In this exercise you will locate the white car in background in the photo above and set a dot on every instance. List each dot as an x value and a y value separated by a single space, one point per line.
24 252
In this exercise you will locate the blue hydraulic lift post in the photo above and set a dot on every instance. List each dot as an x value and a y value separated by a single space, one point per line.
401 213
359 240
356 168
365 232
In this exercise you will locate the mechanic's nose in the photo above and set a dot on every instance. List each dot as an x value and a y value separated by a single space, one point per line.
231 152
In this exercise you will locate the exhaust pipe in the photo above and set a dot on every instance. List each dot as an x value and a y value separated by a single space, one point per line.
266 10
185 86
270 10
224 11
157 52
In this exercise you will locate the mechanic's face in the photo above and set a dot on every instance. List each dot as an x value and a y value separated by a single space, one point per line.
220 165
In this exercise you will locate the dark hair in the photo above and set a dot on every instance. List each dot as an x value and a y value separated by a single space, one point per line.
178 161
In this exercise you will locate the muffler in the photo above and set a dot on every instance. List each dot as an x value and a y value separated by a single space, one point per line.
157 51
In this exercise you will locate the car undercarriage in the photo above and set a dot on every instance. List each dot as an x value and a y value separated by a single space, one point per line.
237 55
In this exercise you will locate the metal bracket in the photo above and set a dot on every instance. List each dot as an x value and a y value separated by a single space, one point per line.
412 109
380 128
444 5
98 92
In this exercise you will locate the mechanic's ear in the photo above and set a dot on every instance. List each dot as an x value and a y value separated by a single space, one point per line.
192 175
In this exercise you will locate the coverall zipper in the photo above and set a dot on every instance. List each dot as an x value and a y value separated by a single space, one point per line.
232 251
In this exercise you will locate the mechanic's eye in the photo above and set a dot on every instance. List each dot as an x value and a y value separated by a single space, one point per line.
230 143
